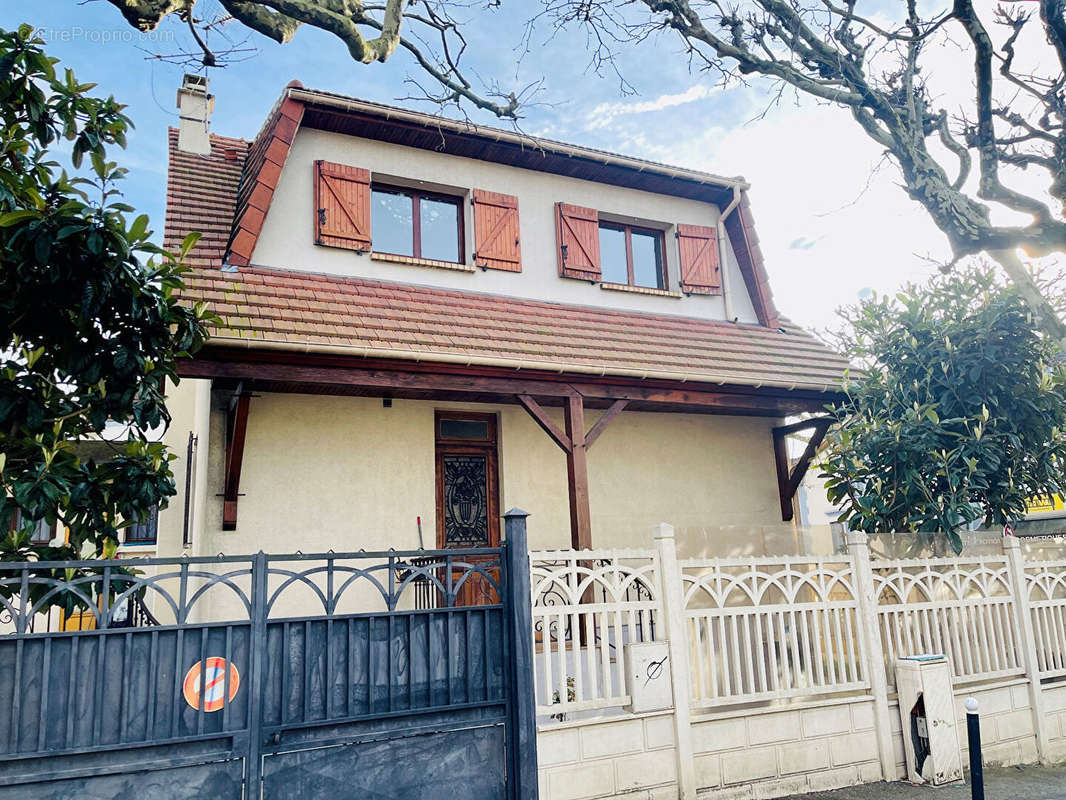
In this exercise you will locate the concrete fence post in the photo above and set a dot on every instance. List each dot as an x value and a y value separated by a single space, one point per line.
872 647
1026 642
673 605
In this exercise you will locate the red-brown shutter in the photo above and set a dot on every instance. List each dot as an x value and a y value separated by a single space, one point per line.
342 206
700 273
578 231
496 237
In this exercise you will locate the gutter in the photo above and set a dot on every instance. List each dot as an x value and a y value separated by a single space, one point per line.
608 159
513 363
726 293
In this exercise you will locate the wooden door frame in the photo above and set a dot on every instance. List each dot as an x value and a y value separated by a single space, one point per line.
459 447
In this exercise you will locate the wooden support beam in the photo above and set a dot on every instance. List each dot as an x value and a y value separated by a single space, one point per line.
788 481
540 416
313 375
236 429
617 407
577 474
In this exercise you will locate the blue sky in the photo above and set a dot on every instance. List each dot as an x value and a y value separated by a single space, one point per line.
828 229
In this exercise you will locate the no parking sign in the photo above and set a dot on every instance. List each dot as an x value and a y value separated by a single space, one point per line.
213 684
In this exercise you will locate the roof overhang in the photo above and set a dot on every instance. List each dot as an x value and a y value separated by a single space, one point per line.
275 369
334 113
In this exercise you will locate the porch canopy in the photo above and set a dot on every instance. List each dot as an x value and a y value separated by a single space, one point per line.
289 331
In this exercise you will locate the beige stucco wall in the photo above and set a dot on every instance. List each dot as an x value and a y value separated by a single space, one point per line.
287 240
345 473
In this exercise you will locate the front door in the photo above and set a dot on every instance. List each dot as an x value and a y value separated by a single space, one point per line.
468 501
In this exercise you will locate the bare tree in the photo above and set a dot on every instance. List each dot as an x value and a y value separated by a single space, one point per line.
963 167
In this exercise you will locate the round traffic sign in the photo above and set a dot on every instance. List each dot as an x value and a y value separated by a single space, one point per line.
213 683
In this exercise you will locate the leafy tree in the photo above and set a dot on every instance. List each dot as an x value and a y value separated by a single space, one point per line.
957 413
89 325
961 96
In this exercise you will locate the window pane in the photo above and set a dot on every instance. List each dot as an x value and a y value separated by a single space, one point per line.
392 223
464 429
440 229
43 533
613 255
144 532
648 260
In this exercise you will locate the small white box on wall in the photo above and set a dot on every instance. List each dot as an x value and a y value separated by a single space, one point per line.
927 714
648 670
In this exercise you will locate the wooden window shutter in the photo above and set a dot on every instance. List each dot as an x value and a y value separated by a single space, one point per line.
496 236
700 272
578 231
342 206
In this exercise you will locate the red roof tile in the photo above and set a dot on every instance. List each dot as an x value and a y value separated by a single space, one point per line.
201 196
285 306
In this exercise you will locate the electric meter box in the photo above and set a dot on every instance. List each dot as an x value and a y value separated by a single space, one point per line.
647 666
927 714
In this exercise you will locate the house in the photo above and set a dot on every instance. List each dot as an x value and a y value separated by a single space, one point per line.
425 322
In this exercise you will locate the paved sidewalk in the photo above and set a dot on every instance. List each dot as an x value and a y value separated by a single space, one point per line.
1002 783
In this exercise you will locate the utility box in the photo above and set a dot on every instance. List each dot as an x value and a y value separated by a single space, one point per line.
927 714
647 666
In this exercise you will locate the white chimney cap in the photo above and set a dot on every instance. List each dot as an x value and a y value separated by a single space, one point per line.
195 106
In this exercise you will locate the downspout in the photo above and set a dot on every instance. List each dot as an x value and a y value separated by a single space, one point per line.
726 290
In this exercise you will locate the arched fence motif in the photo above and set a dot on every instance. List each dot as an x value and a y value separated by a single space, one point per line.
1045 591
959 607
586 606
760 628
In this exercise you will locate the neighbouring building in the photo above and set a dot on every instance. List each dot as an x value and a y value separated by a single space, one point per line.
426 322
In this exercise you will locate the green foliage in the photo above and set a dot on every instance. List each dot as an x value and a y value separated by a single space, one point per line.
89 325
957 413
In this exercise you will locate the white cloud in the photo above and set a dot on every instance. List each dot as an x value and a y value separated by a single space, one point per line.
605 113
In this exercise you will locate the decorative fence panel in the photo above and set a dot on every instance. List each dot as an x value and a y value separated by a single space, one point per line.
765 628
587 605
780 636
1045 591
956 606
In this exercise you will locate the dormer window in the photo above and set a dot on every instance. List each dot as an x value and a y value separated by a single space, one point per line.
418 224
633 256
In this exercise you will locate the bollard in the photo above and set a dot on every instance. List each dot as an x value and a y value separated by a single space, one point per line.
973 740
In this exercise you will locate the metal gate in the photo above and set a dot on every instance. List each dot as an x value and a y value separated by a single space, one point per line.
336 675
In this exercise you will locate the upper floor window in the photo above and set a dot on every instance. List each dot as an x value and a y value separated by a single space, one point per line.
632 255
410 222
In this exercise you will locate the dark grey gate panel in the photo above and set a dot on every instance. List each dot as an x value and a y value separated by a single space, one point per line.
438 765
184 771
222 781
357 674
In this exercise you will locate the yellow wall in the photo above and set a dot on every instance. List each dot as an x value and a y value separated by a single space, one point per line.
344 473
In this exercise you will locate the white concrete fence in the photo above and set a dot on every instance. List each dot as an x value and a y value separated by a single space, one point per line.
782 668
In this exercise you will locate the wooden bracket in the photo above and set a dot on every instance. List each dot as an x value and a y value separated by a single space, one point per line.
562 438
540 416
236 429
617 407
575 442
788 481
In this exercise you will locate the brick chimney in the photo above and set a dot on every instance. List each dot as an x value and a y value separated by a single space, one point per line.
195 106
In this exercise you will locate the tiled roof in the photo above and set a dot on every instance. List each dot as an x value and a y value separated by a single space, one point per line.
201 196
298 308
